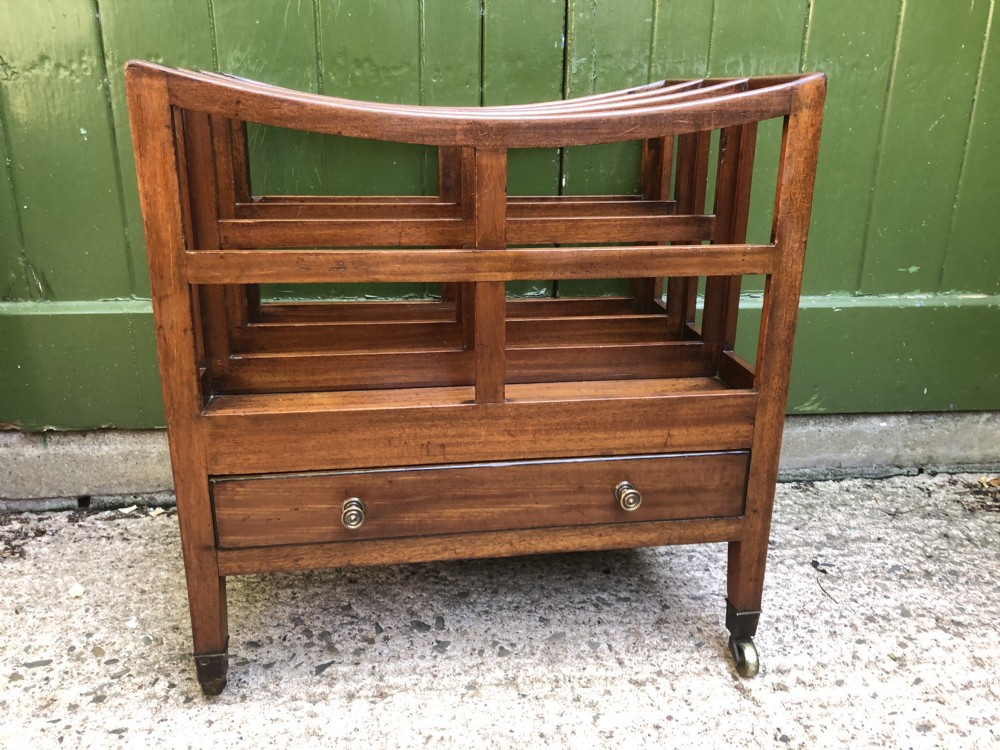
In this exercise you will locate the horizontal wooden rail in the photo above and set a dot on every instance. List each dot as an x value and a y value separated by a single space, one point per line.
417 366
252 233
518 208
470 546
327 311
357 266
401 335
317 438
538 231
430 199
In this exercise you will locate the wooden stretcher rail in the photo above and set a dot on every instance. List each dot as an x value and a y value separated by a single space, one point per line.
569 207
469 546
355 266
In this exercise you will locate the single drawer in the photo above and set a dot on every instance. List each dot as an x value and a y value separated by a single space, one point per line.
309 508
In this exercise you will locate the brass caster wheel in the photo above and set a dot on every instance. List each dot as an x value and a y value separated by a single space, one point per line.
745 656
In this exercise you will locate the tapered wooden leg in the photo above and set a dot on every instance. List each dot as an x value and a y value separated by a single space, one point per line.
206 588
746 572
207 602
210 628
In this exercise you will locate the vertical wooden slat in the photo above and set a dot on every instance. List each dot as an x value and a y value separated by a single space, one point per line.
466 292
691 185
178 32
732 199
681 39
62 146
537 31
450 190
851 141
912 197
656 171
13 264
198 167
156 166
975 222
490 198
239 154
224 152
607 48
799 151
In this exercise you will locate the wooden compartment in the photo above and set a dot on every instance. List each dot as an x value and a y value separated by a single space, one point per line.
472 424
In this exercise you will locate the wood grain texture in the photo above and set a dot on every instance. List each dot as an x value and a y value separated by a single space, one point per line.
263 266
799 153
156 167
485 544
305 509
316 440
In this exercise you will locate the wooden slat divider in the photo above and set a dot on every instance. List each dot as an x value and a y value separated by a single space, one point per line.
386 310
517 208
350 266
422 365
488 196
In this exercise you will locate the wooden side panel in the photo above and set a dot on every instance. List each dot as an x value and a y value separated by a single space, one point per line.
156 162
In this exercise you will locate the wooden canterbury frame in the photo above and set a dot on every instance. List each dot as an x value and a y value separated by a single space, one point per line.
277 411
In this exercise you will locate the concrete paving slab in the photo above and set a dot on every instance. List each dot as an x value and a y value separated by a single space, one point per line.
879 630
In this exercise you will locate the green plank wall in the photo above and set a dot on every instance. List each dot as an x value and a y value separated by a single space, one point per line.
902 292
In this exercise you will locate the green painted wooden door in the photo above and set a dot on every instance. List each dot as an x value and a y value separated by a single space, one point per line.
902 293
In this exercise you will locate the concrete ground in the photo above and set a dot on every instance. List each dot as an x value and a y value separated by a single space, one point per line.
879 630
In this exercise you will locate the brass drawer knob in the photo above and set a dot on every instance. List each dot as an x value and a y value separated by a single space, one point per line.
352 513
628 496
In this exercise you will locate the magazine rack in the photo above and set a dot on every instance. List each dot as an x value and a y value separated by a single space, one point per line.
318 434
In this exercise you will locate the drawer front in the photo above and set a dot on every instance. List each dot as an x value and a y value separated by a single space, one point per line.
307 508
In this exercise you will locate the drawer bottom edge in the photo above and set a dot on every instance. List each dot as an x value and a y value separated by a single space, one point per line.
481 544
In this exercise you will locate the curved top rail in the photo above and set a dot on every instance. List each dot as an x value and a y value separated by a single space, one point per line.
673 113
624 96
688 91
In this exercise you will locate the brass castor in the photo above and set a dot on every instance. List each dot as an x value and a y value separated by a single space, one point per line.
212 669
744 656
